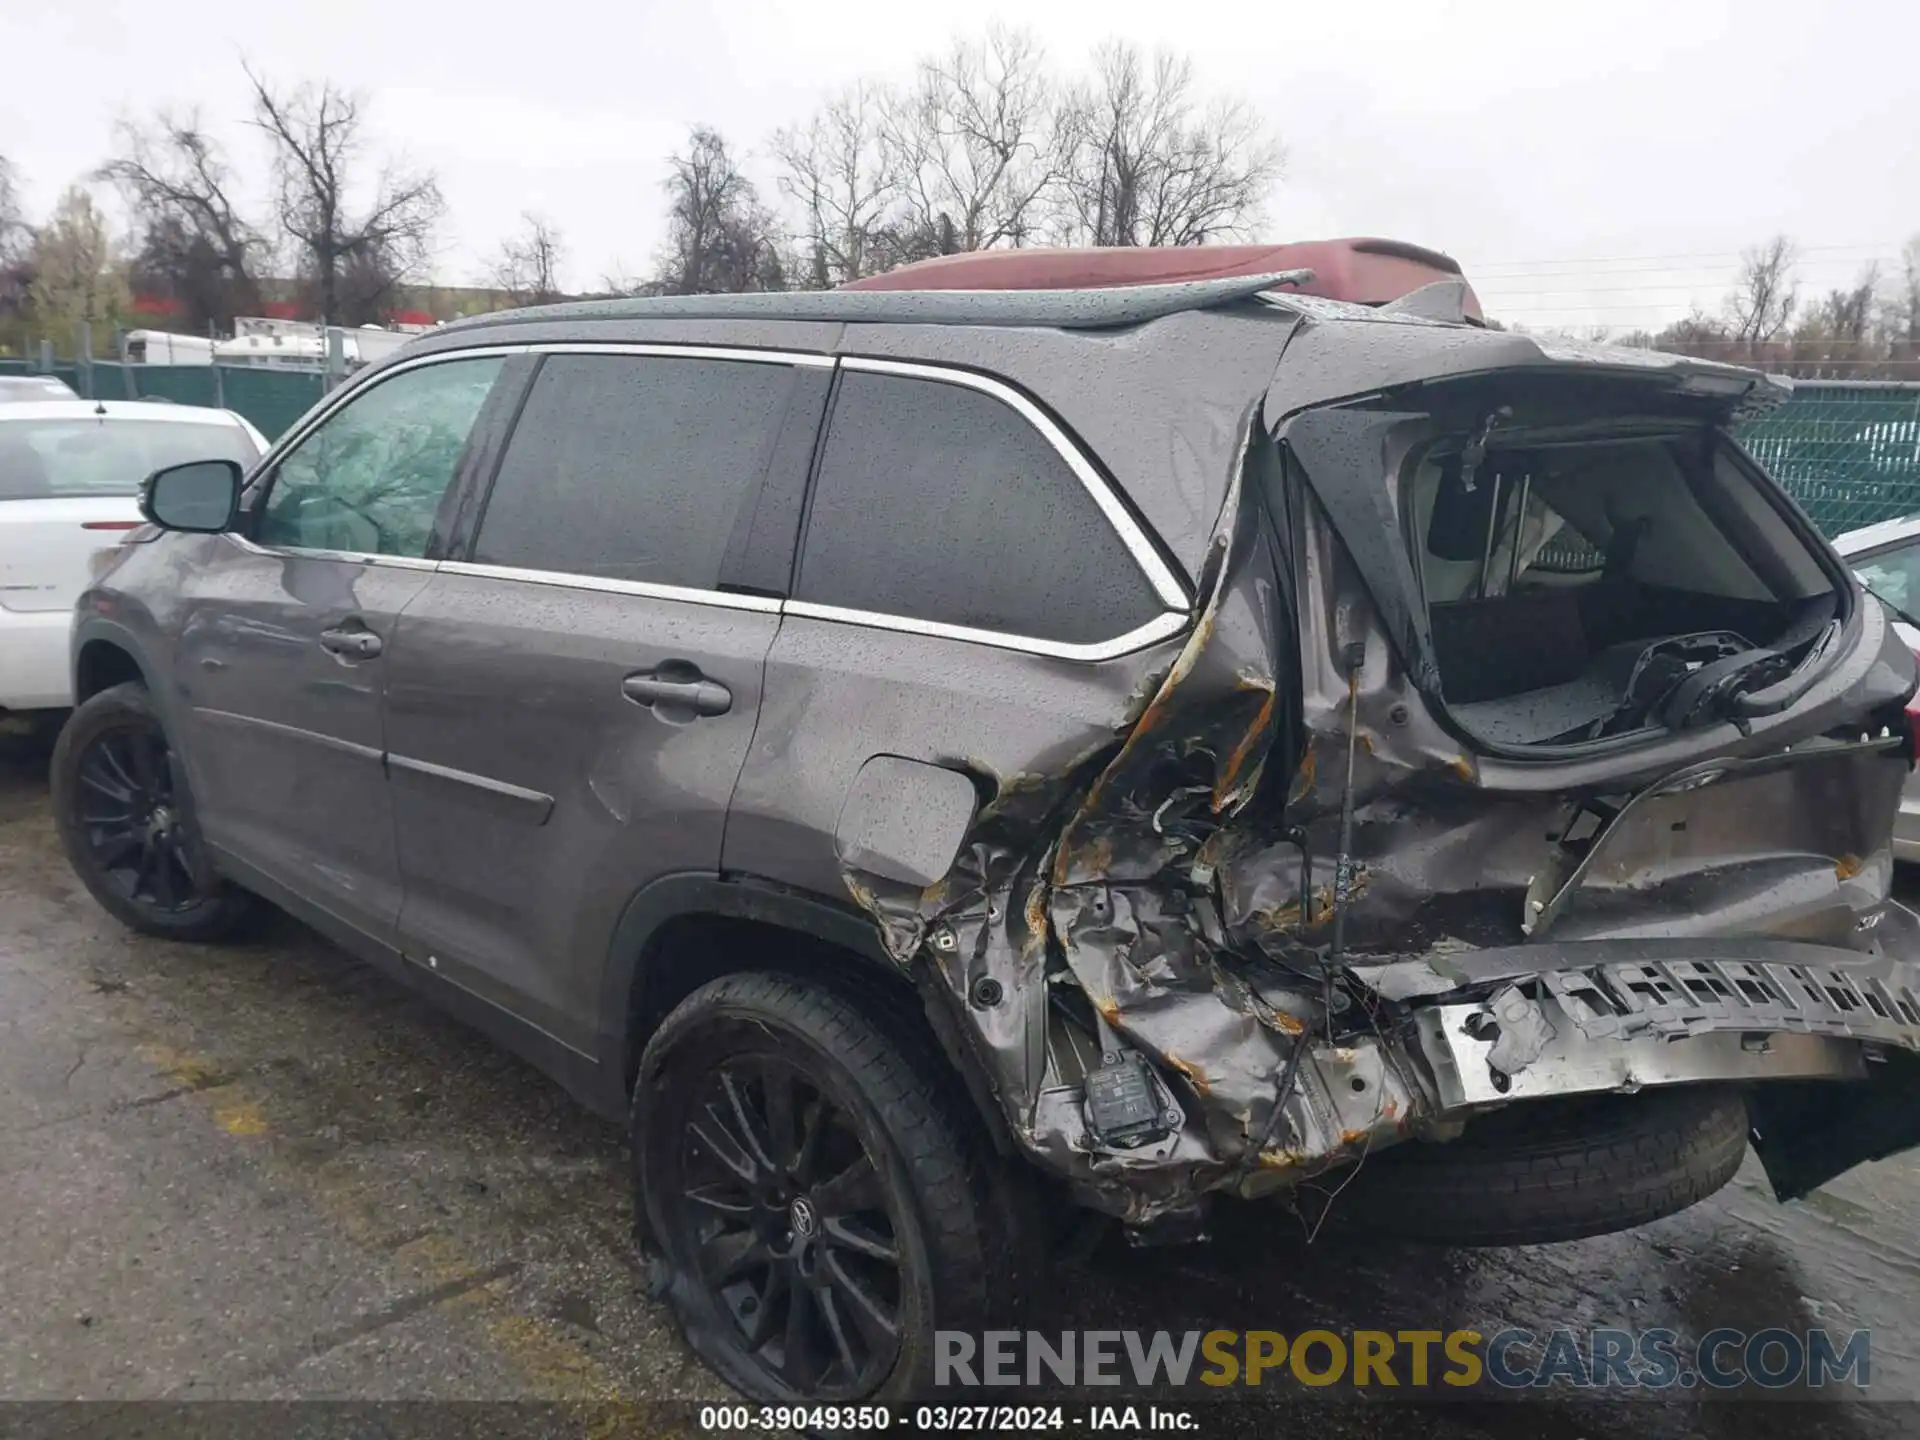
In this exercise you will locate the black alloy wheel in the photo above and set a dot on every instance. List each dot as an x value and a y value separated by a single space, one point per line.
797 1241
131 821
128 824
816 1203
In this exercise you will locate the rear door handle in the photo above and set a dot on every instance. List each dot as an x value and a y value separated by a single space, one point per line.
355 644
699 695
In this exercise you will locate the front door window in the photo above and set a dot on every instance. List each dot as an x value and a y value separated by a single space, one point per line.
370 478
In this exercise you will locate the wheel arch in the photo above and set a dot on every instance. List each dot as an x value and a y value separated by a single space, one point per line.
104 655
680 931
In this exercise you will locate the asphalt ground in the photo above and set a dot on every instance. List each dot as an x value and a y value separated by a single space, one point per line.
264 1173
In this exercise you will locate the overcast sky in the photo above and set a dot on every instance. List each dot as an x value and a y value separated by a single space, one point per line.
1589 161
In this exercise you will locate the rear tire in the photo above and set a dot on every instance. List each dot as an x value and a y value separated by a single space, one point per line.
880 1229
127 824
1542 1171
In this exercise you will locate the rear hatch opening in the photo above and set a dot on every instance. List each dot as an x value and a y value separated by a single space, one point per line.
1591 578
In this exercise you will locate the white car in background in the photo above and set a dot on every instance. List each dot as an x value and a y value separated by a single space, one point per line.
1886 557
25 389
70 476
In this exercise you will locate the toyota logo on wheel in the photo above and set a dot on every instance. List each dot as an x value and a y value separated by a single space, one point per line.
804 1218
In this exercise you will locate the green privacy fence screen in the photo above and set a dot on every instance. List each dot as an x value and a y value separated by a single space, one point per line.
271 398
1847 451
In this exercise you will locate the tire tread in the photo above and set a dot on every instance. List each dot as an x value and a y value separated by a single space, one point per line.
1635 1161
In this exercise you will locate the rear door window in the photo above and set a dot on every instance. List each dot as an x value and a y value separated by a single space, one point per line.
634 467
938 502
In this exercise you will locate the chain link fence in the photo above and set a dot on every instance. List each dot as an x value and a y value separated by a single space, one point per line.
1848 451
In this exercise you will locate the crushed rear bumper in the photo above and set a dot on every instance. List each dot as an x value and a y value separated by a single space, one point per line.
1617 1016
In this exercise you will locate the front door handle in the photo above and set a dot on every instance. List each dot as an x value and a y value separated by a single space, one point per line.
354 644
696 694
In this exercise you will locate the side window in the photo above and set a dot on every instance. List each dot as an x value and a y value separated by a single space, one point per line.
370 477
935 501
634 467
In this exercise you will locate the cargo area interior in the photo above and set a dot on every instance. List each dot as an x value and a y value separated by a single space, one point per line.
1575 583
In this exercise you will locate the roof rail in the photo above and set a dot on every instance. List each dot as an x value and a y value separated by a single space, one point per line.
1105 308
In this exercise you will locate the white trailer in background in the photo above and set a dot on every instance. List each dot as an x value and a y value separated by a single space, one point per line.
282 344
162 347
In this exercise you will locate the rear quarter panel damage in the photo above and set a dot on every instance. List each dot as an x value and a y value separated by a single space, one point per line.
1169 885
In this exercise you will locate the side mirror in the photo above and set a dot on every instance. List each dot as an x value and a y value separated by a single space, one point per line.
199 496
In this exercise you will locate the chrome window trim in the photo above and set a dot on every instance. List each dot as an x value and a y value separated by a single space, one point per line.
269 463
1165 625
646 589
341 396
1166 586
752 354
319 415
354 557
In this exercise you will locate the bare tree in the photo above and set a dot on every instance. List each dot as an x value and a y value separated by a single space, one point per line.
972 146
720 238
16 236
1765 294
191 243
354 256
1901 306
528 266
1846 317
840 175
78 272
1147 164
1698 334
16 260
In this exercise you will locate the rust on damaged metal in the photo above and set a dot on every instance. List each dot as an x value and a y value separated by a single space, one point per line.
1178 887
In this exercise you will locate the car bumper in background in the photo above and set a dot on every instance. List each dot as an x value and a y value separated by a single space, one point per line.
1906 825
34 673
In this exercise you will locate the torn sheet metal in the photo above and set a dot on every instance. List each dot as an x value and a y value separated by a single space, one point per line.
1172 894
1470 1074
1085 903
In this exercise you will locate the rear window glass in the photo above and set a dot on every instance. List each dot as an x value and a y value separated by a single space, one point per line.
106 455
938 502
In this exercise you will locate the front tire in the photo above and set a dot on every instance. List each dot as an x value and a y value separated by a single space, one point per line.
819 1206
126 822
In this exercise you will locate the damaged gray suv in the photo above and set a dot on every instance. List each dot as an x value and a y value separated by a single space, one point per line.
998 738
